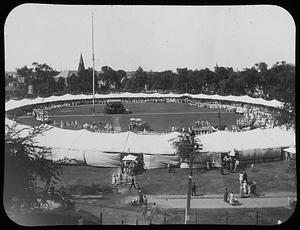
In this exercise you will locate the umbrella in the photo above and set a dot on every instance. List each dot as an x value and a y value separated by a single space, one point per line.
132 119
138 119
86 125
129 158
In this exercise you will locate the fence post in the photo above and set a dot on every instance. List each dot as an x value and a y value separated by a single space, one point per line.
196 217
137 222
226 217
122 222
100 218
165 218
256 217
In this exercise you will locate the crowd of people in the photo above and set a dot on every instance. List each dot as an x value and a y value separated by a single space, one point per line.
247 189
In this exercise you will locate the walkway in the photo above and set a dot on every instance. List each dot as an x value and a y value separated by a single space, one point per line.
266 200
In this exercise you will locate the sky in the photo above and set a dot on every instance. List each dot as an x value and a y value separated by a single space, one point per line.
156 38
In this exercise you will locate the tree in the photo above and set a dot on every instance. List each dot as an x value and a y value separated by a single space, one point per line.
141 78
25 166
60 84
74 84
27 73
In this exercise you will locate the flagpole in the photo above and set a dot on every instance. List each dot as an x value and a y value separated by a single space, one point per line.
93 58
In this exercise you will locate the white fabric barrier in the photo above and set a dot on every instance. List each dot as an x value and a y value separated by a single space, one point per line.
102 159
12 104
69 156
159 161
258 154
150 144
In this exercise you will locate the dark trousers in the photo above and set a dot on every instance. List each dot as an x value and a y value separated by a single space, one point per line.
193 192
132 184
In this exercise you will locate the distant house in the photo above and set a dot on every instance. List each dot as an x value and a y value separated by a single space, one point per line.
130 74
15 76
15 90
67 74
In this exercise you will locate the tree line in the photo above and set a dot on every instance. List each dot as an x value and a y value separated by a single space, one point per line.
277 82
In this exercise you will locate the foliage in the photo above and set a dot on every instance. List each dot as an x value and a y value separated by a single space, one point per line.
25 166
277 82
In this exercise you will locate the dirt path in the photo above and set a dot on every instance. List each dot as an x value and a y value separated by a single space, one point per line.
266 200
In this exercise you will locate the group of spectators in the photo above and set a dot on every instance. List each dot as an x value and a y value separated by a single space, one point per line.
93 127
125 173
247 189
229 163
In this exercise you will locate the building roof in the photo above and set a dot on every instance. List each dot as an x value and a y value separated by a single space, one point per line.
10 73
66 74
130 74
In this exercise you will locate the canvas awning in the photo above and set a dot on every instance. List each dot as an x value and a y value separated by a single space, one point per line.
290 150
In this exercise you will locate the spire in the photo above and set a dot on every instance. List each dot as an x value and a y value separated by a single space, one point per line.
81 64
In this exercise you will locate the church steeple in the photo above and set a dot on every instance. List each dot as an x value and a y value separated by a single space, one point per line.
81 64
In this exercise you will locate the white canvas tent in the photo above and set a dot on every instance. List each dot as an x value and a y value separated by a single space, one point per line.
253 144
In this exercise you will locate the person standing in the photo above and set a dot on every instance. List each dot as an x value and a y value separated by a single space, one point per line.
241 178
225 197
145 200
241 191
52 190
144 211
141 200
132 182
194 189
245 176
80 220
154 212
245 187
236 164
230 161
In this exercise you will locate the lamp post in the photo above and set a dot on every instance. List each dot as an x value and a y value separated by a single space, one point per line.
188 201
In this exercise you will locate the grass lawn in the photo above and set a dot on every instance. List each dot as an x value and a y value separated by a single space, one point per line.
158 115
270 177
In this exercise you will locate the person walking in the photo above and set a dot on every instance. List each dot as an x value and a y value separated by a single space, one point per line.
132 182
145 200
194 189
